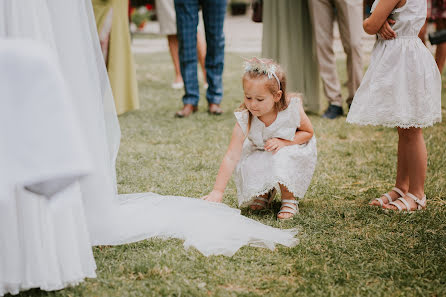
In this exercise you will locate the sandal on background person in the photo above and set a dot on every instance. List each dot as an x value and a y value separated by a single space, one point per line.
186 111
214 109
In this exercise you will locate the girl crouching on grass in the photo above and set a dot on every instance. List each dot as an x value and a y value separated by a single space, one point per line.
272 145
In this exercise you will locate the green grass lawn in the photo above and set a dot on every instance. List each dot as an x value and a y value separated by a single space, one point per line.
346 247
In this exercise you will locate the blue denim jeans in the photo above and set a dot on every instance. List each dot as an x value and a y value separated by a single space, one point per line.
187 21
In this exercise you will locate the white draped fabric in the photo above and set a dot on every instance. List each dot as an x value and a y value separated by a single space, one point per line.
44 239
68 26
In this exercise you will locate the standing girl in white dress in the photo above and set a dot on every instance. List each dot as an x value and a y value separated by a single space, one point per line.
272 144
402 88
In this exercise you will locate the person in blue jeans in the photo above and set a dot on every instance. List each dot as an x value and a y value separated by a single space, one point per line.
187 20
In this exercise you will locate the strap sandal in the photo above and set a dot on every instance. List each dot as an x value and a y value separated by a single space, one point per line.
389 199
264 203
288 206
421 203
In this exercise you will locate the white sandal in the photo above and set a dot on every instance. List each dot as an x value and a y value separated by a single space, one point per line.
421 203
291 207
264 202
389 199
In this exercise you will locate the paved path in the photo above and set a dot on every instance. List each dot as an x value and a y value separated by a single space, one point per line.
242 36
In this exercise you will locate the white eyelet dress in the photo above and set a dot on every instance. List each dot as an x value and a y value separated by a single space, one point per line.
402 86
259 171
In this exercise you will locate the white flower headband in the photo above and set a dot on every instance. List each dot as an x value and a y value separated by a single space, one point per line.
261 66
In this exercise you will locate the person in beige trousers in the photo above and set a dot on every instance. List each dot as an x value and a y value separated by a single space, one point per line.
349 15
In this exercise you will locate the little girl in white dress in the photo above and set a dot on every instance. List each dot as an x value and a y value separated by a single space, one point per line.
402 88
272 143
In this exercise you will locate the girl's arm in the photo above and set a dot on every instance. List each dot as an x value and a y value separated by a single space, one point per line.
303 135
228 164
305 132
379 16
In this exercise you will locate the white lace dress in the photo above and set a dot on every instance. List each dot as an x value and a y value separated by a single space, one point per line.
402 86
258 171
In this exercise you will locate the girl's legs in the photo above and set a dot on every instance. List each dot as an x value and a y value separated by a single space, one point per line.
402 174
201 49
415 161
402 171
440 53
173 48
286 195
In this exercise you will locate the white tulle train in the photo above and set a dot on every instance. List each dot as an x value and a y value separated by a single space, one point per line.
212 228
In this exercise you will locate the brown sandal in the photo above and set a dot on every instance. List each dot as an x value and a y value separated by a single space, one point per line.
215 109
186 111
264 203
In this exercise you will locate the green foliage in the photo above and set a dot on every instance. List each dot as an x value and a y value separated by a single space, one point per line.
139 18
346 247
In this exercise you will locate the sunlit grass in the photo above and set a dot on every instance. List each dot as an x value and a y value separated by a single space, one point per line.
346 249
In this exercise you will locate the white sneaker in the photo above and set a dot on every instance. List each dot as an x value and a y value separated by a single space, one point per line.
177 85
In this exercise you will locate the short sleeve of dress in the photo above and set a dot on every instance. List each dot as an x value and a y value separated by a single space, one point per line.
375 3
242 119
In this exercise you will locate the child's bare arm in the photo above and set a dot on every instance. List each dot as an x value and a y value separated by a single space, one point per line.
228 164
373 24
305 131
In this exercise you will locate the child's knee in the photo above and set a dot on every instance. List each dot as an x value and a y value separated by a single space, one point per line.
283 188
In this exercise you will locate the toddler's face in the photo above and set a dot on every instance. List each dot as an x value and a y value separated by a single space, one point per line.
258 98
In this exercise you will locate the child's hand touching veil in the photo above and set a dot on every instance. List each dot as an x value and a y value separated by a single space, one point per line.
214 196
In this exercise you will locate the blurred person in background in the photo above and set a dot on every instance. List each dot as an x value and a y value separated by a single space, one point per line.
165 10
290 40
113 28
436 12
349 16
187 21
